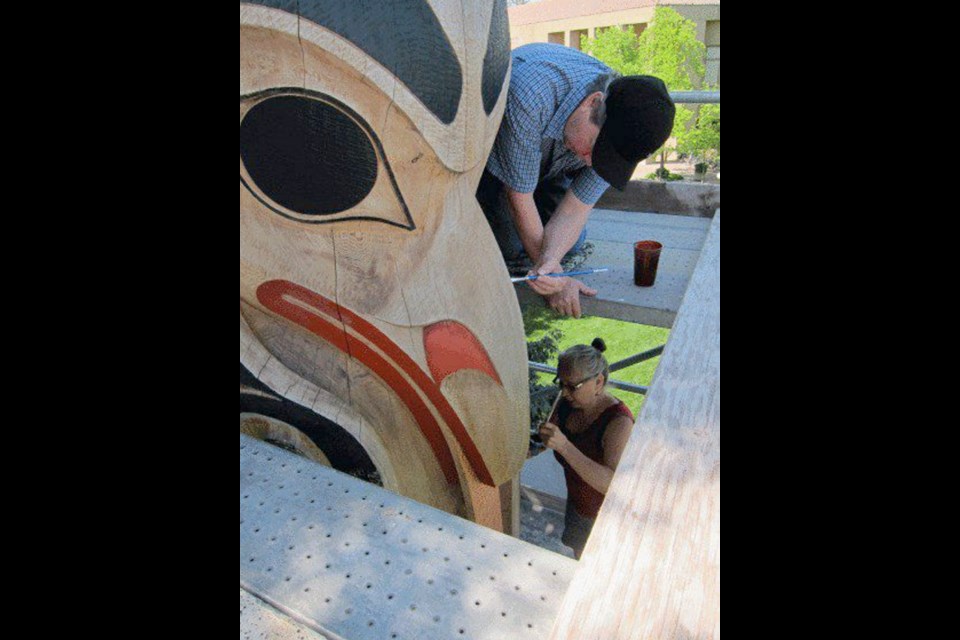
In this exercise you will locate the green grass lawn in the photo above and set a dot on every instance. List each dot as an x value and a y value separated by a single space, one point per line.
623 339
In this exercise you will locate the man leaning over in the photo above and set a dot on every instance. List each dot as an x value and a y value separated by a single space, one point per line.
572 128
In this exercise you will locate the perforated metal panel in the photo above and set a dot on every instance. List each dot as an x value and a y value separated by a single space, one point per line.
259 621
360 562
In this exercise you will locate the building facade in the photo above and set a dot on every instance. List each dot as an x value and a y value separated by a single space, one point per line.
567 22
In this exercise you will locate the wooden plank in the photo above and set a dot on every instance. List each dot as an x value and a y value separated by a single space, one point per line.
652 567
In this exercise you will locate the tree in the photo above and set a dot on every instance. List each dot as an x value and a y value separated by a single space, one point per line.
667 49
702 142
618 49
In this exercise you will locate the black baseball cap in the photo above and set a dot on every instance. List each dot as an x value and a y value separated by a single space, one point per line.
640 117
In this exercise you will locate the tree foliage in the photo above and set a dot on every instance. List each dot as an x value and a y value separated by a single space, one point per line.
702 142
668 49
542 395
618 49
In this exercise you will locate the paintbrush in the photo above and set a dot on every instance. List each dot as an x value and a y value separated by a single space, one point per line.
560 275
536 436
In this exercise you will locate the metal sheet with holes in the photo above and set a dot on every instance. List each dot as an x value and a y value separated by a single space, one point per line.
356 561
260 621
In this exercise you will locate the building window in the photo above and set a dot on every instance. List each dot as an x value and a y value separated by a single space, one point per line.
713 33
713 66
713 52
557 38
577 37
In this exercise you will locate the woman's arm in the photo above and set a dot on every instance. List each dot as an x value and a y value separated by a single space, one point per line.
599 476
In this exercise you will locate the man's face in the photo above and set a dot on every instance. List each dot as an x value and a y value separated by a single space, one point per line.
581 133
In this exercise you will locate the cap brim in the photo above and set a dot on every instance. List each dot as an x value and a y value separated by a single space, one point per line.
609 164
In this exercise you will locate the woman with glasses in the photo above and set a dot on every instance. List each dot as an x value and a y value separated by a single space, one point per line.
588 433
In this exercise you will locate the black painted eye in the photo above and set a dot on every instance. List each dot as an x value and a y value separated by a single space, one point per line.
307 156
310 158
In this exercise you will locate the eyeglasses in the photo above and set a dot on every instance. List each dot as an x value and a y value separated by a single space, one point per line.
572 388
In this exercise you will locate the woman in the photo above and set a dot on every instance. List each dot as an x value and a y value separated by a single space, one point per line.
588 432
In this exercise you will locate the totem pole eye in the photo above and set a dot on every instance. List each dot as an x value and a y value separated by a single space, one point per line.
307 156
310 158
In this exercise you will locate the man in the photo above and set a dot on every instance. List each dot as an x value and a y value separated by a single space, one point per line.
571 129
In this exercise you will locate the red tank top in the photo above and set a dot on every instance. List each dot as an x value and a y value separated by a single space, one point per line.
585 499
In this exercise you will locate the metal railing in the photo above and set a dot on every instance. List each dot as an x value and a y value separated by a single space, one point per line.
695 97
617 366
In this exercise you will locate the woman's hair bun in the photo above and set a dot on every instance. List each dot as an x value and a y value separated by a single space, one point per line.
600 345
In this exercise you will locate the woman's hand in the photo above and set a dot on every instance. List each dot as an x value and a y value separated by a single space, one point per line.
553 438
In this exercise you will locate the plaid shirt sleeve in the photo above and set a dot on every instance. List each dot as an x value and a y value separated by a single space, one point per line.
517 153
589 187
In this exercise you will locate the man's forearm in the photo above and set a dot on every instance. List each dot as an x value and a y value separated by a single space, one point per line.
527 221
564 228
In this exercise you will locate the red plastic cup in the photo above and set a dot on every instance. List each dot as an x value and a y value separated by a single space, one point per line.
646 261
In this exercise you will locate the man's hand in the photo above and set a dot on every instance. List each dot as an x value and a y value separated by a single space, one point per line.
548 286
567 301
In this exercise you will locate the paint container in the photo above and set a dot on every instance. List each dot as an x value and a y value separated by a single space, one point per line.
646 261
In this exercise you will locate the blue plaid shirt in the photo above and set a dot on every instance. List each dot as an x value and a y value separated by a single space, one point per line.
549 83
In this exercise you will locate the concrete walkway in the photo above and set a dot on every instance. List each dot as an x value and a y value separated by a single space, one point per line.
613 234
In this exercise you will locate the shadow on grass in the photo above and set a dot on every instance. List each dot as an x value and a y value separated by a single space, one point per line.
537 318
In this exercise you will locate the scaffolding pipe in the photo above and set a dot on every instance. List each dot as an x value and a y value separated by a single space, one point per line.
616 384
695 97
637 359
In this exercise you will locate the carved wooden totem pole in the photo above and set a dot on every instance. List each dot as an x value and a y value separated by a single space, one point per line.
379 333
